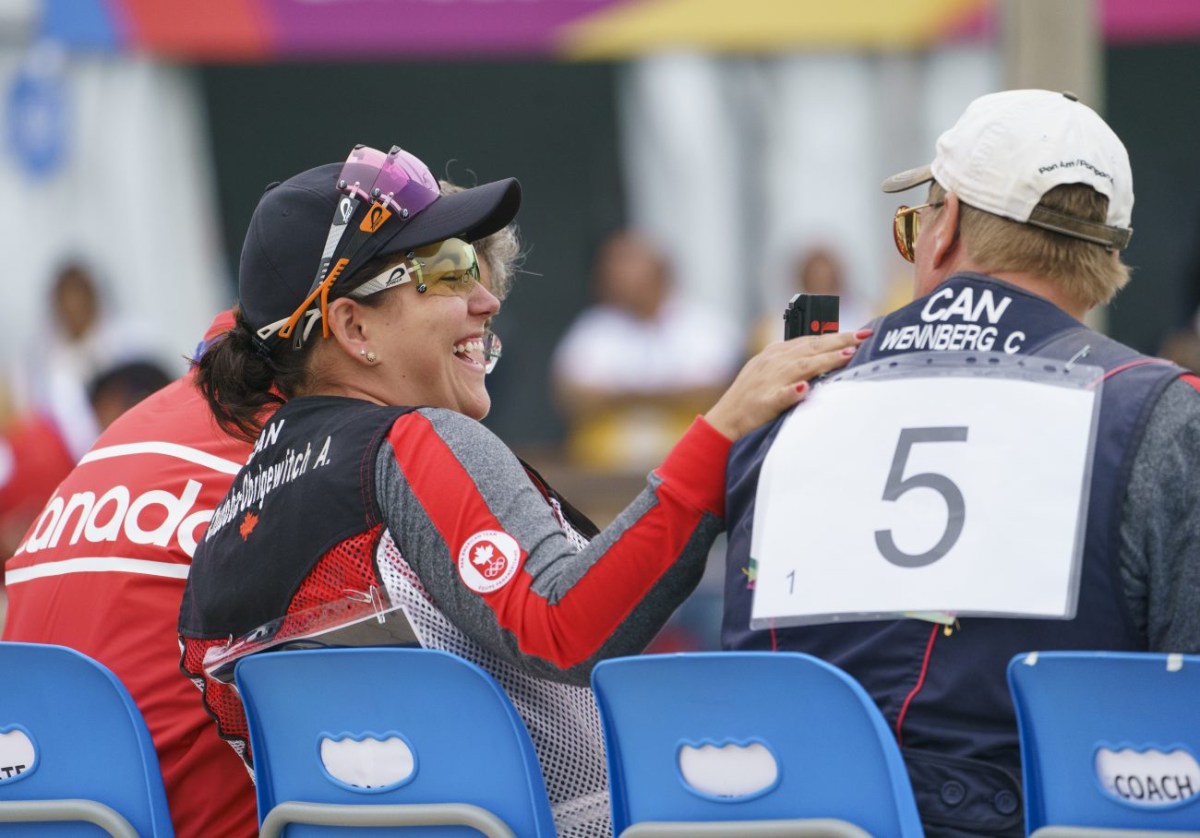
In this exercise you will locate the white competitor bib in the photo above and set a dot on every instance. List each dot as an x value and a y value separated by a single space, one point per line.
931 484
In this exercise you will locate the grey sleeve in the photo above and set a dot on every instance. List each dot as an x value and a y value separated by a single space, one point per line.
570 605
1160 525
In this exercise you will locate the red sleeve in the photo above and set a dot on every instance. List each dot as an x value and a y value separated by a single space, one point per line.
556 602
690 466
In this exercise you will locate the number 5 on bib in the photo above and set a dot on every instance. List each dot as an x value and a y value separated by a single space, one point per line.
943 482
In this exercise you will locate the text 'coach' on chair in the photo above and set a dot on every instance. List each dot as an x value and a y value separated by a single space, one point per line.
1110 743
75 754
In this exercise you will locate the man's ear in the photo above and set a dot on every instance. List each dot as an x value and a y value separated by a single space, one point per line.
348 327
945 231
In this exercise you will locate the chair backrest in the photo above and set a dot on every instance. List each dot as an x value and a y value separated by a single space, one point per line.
748 736
74 748
1109 739
388 735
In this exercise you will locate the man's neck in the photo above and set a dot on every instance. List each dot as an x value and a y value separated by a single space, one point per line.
1037 285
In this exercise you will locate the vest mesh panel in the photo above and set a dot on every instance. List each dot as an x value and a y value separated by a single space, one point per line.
562 720
348 567
220 700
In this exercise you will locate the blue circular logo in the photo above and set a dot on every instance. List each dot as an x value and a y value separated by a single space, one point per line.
37 122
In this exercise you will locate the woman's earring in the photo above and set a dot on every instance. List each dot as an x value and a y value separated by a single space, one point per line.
372 357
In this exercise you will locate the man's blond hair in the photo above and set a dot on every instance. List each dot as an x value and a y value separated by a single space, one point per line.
1084 271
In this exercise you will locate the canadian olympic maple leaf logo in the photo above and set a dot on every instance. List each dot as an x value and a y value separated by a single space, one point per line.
490 562
249 522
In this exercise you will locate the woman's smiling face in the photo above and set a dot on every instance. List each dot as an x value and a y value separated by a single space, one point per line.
430 346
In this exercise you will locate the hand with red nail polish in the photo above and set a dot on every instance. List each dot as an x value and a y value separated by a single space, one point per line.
777 378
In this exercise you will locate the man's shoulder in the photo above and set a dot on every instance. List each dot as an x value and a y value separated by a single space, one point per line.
1180 400
746 454
1172 429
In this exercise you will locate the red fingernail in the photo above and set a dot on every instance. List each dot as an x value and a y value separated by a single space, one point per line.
863 334
802 387
849 350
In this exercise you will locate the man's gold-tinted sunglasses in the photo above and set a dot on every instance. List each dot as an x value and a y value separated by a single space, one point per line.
906 226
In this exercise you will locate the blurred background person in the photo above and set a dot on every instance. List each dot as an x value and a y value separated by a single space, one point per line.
115 391
634 369
817 270
83 337
35 453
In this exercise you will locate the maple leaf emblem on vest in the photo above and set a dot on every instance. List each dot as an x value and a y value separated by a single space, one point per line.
490 561
750 571
249 522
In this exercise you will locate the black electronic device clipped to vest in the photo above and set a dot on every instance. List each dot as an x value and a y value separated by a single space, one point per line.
810 314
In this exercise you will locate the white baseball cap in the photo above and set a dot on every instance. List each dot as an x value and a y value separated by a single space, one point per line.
1009 149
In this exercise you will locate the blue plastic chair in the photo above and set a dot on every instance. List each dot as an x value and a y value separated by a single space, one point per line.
75 754
386 736
1094 729
748 744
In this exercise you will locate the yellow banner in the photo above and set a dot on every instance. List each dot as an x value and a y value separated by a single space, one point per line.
631 29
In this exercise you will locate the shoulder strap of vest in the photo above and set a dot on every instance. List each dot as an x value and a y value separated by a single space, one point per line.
578 520
1084 345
